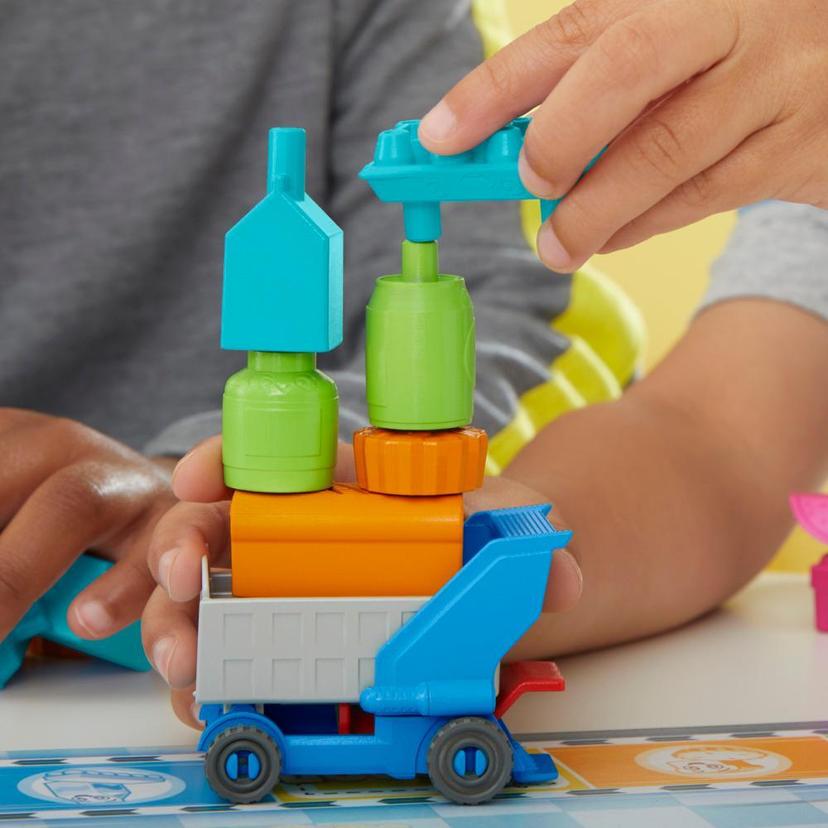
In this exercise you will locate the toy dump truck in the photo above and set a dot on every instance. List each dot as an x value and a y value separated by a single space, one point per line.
395 686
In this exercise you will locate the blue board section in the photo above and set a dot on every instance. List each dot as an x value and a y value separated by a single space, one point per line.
283 264
47 618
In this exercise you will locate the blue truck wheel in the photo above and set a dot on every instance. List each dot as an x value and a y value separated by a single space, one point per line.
470 760
243 764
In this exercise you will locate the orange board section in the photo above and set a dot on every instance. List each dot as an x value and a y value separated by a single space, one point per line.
694 762
420 462
343 542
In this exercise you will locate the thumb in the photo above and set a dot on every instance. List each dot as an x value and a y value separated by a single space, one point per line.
199 475
565 584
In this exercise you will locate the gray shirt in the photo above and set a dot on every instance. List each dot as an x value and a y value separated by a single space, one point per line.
777 251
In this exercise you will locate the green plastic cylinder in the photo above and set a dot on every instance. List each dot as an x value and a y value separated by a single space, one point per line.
419 346
279 425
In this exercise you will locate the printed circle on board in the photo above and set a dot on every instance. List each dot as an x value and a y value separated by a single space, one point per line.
708 760
100 786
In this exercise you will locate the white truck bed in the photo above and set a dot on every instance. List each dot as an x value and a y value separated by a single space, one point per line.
269 650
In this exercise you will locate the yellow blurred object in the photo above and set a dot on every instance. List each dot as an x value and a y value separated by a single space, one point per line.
798 554
665 277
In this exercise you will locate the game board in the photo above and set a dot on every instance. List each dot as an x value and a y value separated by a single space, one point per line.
725 777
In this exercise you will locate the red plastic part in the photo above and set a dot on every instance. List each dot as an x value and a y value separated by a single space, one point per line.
353 719
41 648
521 677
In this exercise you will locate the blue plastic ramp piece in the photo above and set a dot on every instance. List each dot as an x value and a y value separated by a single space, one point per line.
47 618
442 662
283 264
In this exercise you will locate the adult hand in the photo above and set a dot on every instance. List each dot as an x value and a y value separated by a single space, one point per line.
705 106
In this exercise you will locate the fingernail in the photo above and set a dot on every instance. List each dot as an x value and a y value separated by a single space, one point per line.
580 576
95 617
165 565
439 123
161 654
180 463
532 181
552 253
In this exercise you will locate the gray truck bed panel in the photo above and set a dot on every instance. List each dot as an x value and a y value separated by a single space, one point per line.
260 650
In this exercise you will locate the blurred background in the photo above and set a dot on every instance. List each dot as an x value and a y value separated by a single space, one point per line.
665 276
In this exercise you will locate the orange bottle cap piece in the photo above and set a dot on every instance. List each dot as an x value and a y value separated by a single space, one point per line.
420 462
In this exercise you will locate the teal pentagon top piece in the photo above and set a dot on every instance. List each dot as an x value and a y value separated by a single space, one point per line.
283 264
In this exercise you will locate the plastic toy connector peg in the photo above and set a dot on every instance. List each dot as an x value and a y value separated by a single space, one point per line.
406 172
283 303
283 264
47 618
419 346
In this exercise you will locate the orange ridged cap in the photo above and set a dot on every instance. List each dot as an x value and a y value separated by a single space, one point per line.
420 462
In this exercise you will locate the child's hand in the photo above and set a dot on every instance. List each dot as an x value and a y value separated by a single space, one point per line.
65 488
195 527
706 105
192 529
199 525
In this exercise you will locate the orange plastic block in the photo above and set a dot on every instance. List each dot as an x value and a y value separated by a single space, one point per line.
343 542
420 462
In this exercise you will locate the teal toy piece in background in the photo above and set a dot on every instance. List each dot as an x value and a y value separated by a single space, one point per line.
47 618
283 264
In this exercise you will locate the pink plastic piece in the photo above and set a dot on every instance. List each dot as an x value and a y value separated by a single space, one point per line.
819 581
811 511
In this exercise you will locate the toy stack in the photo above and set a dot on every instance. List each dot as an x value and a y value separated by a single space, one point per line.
295 532
362 626
399 531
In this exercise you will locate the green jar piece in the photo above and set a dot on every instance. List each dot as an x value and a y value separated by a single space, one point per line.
279 425
419 346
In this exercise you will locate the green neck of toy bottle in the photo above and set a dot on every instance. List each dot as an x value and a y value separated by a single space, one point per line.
420 261
274 362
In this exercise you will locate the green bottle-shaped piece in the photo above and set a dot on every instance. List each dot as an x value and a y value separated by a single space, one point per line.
419 346
279 425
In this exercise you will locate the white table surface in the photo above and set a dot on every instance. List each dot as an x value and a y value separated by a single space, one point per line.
756 660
